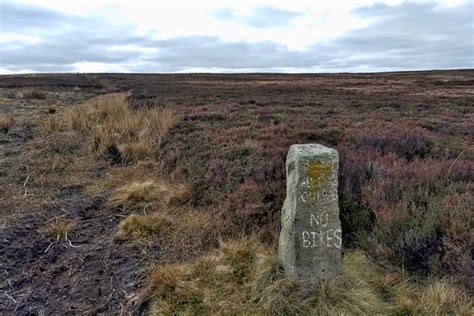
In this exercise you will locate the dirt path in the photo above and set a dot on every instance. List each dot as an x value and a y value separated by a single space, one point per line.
90 272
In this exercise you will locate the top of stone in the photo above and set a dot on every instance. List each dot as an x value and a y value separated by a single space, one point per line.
311 150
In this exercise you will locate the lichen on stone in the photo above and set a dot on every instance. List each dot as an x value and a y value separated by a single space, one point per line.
318 174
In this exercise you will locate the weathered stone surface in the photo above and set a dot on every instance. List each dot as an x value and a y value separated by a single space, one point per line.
310 239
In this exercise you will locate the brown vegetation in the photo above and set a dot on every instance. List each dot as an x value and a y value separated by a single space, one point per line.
6 123
165 173
138 226
244 277
140 194
116 131
59 228
38 95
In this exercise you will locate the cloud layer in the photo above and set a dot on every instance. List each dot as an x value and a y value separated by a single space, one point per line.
407 36
263 16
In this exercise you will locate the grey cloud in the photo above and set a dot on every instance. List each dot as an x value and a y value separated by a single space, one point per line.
64 40
421 21
63 50
407 36
207 51
413 36
404 37
261 17
16 17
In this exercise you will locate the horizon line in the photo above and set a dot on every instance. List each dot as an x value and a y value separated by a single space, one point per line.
235 73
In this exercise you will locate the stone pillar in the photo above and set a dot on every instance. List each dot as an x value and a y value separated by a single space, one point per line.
310 239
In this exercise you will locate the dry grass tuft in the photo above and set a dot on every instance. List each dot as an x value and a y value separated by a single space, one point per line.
116 130
439 297
139 226
140 194
148 192
244 277
182 234
6 123
59 228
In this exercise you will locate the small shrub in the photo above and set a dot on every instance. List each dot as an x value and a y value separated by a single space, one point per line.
199 193
38 95
417 248
413 146
407 142
217 172
6 123
458 239
10 94
394 187
357 222
357 218
255 208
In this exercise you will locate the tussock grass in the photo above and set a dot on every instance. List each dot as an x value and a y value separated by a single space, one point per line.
245 277
440 297
139 194
138 226
141 187
59 228
6 123
115 129
436 297
183 233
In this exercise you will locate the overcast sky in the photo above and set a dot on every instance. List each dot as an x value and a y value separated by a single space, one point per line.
235 36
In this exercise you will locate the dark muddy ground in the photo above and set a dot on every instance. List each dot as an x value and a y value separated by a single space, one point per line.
88 273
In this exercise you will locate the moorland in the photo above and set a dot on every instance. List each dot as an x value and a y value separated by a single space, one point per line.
162 193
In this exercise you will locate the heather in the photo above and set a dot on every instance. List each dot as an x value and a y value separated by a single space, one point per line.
165 191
